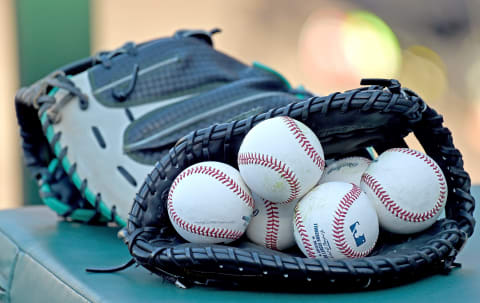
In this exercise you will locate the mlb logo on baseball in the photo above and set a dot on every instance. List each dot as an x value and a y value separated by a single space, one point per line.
359 238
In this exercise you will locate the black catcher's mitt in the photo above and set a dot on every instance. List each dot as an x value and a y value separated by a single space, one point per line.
92 130
377 116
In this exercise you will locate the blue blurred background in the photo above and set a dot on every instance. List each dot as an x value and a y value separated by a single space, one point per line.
431 46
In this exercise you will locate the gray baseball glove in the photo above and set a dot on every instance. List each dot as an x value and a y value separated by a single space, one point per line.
94 129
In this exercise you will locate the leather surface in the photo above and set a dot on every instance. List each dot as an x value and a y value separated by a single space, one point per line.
8 254
43 259
32 282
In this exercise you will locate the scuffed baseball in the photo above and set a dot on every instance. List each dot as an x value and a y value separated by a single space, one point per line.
334 221
271 224
408 189
209 203
348 170
281 159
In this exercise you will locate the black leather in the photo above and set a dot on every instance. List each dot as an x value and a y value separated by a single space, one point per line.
345 123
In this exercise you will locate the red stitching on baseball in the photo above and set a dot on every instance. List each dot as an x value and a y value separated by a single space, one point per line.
270 162
273 222
302 231
393 207
203 230
338 232
304 142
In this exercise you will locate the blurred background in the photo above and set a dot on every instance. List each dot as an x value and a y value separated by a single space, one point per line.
431 46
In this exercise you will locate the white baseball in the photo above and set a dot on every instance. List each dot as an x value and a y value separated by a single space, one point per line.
348 170
281 159
335 220
271 224
209 203
408 189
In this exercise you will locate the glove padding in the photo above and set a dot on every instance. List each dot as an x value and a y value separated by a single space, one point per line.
346 123
92 130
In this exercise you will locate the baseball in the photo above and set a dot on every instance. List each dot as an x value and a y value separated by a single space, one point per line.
271 224
281 159
348 170
209 203
408 189
335 220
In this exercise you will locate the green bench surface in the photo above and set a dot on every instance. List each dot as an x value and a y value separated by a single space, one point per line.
43 259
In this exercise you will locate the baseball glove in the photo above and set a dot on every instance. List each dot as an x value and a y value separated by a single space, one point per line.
93 130
380 116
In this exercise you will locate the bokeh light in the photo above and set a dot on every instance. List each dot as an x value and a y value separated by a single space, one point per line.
320 51
370 46
472 126
338 48
424 71
472 81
